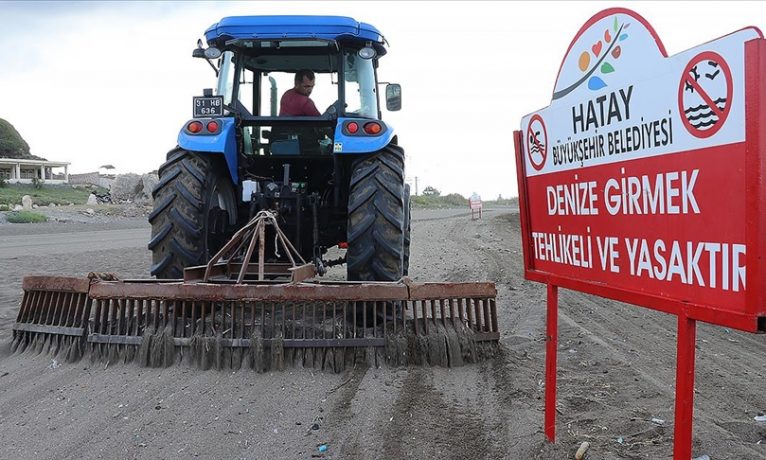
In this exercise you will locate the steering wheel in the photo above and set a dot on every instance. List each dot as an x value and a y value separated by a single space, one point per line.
333 109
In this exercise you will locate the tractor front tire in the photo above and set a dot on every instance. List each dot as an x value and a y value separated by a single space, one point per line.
195 212
376 217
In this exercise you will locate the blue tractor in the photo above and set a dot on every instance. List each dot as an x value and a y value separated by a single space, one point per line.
333 179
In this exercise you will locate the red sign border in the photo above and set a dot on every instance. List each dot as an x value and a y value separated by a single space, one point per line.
706 55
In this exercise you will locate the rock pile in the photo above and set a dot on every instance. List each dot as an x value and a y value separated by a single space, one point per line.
132 188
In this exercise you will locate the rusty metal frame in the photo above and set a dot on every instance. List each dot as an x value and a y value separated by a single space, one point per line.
236 256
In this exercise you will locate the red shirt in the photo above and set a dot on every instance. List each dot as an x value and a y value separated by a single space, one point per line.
296 104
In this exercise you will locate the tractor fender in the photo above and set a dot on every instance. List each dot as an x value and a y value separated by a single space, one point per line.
224 142
352 144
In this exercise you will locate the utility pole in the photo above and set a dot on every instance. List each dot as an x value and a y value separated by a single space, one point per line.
416 185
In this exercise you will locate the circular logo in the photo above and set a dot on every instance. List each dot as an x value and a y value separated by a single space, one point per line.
705 93
537 142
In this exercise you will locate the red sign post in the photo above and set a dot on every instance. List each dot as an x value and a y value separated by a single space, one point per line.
642 182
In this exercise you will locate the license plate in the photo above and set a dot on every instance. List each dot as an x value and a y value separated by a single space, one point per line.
208 106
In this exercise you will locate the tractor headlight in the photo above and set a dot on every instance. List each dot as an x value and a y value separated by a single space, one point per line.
367 52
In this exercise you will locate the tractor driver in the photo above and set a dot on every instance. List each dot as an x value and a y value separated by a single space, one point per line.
296 101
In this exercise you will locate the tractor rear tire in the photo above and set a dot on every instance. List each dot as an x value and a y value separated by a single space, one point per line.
376 217
195 212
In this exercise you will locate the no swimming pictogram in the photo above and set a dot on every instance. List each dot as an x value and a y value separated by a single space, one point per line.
705 93
537 142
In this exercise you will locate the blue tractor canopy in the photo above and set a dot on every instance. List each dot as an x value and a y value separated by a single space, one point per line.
332 28
265 52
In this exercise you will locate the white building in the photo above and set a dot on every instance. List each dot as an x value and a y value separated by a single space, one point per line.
22 171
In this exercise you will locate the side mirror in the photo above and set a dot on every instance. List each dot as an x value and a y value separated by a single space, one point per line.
393 97
213 53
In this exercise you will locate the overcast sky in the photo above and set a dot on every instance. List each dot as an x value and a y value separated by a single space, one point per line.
111 83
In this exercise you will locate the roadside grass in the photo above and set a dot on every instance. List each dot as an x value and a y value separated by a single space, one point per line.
11 194
503 202
25 217
454 200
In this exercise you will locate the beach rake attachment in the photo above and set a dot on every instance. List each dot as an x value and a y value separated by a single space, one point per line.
328 326
234 313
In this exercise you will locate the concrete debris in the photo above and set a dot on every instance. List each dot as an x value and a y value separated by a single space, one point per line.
580 454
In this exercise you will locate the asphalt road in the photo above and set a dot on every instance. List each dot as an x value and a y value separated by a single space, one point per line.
72 243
